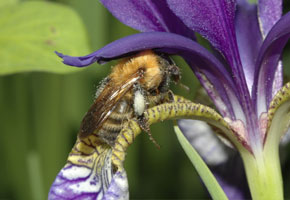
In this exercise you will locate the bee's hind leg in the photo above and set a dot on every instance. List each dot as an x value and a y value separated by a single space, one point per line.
143 123
139 106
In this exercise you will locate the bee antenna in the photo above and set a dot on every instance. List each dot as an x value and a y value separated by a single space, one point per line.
185 87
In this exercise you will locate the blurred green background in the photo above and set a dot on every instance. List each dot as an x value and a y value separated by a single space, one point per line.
41 113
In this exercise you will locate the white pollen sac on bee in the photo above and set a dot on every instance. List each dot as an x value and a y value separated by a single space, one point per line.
139 103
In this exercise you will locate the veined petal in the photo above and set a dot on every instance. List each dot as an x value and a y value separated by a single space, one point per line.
118 188
221 93
147 16
278 117
269 12
268 62
212 19
74 182
249 38
215 20
278 79
196 55
88 174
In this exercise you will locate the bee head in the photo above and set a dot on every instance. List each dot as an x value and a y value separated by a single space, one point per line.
170 66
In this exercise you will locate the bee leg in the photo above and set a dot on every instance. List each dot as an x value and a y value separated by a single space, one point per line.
142 121
139 106
174 71
170 96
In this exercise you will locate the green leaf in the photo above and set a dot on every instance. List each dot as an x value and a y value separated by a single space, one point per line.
205 174
4 3
30 32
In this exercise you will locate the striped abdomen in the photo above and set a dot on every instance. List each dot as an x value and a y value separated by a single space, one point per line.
113 125
122 112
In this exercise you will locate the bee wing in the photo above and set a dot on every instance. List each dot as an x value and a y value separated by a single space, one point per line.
105 104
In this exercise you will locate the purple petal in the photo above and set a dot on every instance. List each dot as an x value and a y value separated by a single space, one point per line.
270 11
215 20
232 178
278 79
147 16
76 181
219 91
119 187
249 38
197 57
266 77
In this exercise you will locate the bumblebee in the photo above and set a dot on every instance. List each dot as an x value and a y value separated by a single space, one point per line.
135 84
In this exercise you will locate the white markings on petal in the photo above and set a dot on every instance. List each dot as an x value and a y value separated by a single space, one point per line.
278 79
76 172
81 182
119 188
106 172
88 185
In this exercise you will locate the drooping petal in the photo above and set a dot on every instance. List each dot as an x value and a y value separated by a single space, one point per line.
173 43
69 184
269 11
268 62
88 174
118 188
197 56
249 38
147 16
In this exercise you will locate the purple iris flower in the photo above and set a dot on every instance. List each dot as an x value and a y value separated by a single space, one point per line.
242 74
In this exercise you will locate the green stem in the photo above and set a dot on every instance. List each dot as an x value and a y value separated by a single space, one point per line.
205 174
264 174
